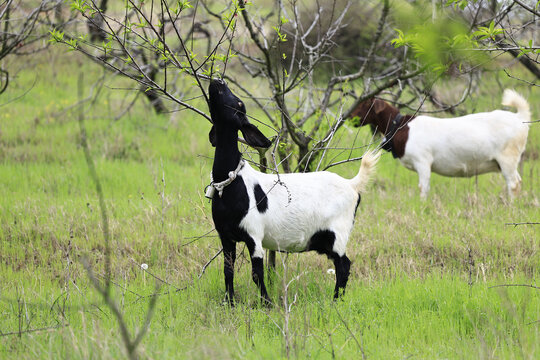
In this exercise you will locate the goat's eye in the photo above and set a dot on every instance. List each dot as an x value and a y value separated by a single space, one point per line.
240 104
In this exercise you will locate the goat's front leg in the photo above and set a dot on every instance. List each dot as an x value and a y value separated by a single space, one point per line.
229 257
343 266
424 173
257 269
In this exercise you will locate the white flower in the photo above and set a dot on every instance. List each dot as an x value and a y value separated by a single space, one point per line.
331 271
144 266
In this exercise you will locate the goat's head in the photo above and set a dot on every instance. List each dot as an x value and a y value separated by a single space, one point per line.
375 112
367 111
228 112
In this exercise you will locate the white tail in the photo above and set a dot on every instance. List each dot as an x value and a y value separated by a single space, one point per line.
512 98
369 160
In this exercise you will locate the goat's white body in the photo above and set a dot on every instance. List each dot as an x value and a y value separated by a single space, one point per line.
300 205
469 145
463 146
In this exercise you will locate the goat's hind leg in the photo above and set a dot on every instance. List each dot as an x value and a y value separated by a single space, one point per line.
324 242
343 266
508 160
508 165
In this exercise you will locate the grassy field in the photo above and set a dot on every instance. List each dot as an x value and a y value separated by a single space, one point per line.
426 279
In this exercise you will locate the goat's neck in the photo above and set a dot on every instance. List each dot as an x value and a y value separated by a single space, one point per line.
227 156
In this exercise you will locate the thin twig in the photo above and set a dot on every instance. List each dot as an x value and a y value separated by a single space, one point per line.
34 330
522 223
515 285
209 262
360 346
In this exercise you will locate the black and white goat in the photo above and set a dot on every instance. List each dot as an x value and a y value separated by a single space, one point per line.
458 147
291 213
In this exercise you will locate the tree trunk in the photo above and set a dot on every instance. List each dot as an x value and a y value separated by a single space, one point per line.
95 26
155 101
304 163
283 153
152 95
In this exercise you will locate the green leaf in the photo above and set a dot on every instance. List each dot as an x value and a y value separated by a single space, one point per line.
184 5
56 36
80 6
72 43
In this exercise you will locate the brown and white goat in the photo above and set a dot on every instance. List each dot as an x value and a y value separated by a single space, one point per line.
457 147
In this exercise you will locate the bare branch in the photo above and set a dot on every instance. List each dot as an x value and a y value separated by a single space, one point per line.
527 7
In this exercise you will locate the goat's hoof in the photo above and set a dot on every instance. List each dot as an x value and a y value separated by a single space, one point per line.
267 303
338 295
228 302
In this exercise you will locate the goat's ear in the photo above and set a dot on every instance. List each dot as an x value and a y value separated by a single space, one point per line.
254 137
378 106
212 136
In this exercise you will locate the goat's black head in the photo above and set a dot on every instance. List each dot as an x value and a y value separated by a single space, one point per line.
229 112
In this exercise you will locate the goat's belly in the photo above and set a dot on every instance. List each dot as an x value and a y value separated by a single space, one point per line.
285 242
465 169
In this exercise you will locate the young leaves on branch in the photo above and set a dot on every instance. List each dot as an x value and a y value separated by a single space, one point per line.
489 32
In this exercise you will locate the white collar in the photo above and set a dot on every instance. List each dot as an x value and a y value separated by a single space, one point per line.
221 185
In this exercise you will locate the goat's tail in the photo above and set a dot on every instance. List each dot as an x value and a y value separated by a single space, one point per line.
369 160
512 98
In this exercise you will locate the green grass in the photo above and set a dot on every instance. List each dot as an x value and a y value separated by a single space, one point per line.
430 317
421 277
